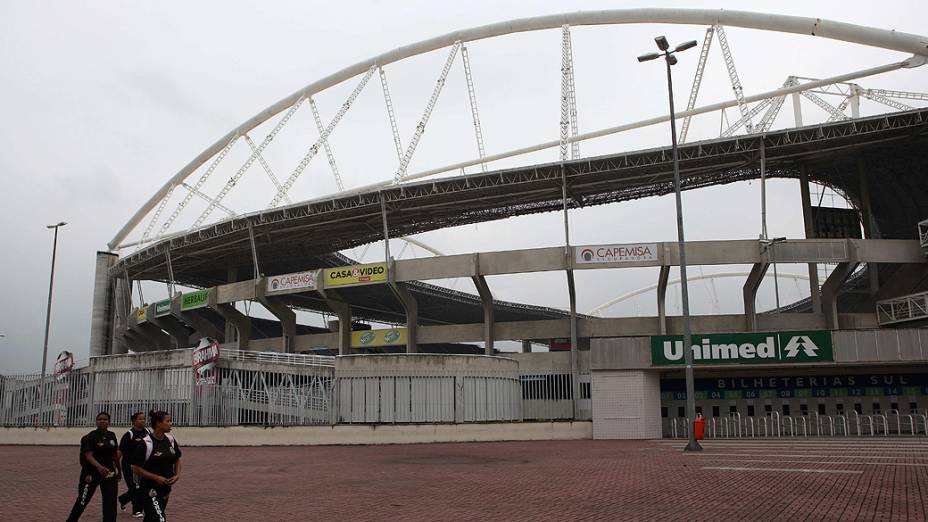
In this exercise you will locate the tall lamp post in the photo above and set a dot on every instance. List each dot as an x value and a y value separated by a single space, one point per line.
671 59
48 312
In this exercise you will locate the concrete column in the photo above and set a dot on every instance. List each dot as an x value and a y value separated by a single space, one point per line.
574 342
412 314
830 292
489 323
750 293
233 329
237 323
526 346
662 298
282 312
873 273
814 290
102 314
203 327
343 310
179 333
122 307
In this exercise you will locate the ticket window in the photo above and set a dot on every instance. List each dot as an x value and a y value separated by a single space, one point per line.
839 408
732 410
913 407
803 410
894 406
786 410
699 409
859 408
681 411
821 409
715 411
663 412
751 410
875 408
768 409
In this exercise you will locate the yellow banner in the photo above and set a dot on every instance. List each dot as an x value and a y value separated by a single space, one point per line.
372 338
356 275
141 315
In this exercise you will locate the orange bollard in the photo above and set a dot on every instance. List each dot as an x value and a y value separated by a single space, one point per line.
699 427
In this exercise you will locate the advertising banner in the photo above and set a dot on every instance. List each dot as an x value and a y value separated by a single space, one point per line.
630 253
294 281
163 308
64 363
372 338
141 314
205 357
193 300
356 275
745 348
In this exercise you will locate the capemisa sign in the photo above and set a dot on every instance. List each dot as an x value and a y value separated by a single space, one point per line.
615 253
295 281
745 348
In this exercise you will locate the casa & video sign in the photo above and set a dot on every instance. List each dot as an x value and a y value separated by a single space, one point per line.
356 275
372 338
745 348
629 253
192 300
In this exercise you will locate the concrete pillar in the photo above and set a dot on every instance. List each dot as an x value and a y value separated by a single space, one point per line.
830 292
750 293
526 346
233 331
873 273
626 404
179 333
343 310
814 290
203 327
489 323
122 306
282 312
574 342
412 314
238 325
102 313
662 298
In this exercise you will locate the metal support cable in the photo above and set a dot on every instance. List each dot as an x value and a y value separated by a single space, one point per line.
899 94
200 182
733 75
325 145
324 136
397 141
472 97
251 159
210 200
752 113
267 168
841 107
766 122
697 81
158 211
420 128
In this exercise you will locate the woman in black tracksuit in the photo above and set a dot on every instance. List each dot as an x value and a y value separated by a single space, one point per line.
130 441
157 462
99 467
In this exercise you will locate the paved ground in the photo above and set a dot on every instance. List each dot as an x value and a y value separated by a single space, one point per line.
783 479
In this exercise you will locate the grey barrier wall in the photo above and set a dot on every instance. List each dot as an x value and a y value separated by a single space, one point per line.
395 388
275 389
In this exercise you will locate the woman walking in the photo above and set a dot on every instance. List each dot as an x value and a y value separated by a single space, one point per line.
130 441
157 462
100 461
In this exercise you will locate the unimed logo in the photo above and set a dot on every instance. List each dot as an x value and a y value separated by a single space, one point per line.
745 348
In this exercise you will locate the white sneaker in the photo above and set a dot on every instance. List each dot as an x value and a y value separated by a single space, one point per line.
138 515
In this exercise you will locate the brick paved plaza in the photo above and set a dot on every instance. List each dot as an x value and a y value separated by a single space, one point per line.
783 479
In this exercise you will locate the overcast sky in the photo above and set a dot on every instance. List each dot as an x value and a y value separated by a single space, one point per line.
104 101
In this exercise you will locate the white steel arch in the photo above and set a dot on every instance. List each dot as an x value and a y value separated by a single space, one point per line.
886 39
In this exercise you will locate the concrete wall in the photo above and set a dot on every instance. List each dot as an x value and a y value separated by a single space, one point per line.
327 435
626 405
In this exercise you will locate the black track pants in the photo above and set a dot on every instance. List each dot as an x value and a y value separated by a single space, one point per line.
155 505
133 491
87 485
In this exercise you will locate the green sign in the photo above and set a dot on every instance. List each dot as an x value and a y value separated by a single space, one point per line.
745 348
192 300
163 308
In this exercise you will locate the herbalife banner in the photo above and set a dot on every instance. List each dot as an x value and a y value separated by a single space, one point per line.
745 348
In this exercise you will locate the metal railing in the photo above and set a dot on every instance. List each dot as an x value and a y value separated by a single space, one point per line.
278 358
814 425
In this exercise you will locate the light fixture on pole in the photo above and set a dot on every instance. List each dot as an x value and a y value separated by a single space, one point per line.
48 313
670 59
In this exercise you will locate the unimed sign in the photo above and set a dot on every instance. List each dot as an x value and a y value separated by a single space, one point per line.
745 348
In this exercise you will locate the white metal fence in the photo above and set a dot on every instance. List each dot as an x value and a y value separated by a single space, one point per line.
814 425
549 396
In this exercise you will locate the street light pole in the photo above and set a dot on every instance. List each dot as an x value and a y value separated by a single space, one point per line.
48 313
670 59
